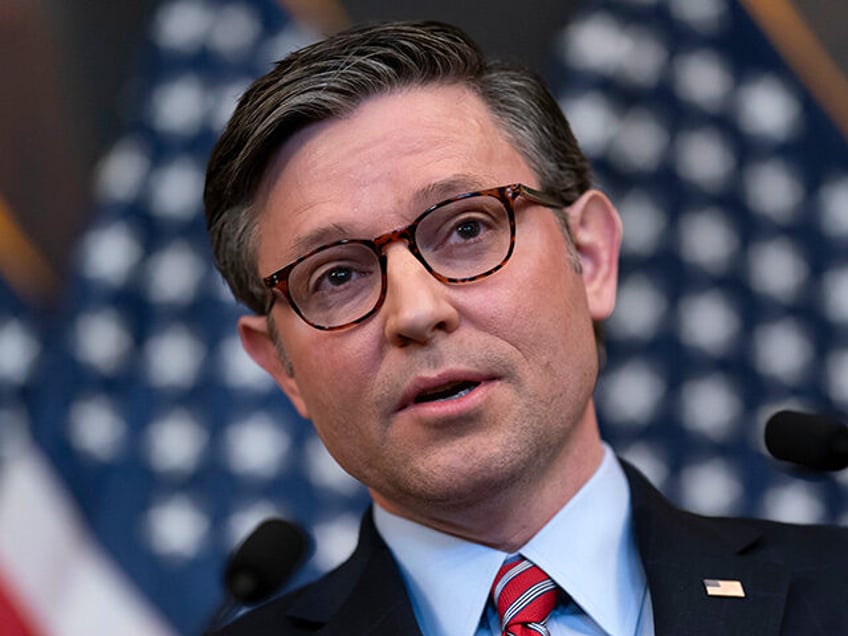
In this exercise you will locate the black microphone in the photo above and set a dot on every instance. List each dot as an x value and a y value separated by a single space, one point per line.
816 442
265 560
260 566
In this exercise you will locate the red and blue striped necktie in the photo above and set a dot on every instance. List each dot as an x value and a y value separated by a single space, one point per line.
525 596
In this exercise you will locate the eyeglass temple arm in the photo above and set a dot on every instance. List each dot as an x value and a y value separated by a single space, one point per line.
542 198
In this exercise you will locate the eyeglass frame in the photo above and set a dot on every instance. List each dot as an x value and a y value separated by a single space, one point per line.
277 282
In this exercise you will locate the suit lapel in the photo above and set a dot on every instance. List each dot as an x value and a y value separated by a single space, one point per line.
366 595
680 550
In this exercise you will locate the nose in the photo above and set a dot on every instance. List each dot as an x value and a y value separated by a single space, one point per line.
417 306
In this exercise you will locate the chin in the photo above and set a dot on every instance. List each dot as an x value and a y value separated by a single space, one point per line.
459 488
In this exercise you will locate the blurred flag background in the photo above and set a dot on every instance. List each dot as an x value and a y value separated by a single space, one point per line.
732 180
138 443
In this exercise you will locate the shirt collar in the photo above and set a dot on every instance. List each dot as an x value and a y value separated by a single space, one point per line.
587 548
448 578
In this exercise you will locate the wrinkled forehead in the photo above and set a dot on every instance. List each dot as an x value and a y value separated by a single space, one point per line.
378 168
296 135
407 147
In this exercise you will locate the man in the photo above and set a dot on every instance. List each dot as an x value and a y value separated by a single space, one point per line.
449 363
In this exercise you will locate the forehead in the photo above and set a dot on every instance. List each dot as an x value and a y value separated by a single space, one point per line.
378 167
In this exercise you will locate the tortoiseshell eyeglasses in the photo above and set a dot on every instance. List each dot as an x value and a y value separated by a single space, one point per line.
459 240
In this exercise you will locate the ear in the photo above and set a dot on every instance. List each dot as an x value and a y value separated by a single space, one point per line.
596 228
259 345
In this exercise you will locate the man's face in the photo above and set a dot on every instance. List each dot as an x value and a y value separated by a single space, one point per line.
521 340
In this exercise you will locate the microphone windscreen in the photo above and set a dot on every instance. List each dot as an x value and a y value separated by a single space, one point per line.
265 560
817 442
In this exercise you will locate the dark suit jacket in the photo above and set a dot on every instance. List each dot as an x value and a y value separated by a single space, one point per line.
795 580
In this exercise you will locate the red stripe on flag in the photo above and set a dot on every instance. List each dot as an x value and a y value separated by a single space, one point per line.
13 622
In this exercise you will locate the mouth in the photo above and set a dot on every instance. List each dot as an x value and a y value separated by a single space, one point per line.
445 392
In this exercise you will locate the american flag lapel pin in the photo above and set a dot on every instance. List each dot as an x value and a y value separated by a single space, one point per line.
724 588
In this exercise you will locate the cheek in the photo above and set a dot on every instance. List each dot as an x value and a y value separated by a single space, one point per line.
336 381
332 372
540 290
541 309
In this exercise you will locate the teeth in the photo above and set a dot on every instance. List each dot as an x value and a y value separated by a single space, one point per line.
450 392
465 391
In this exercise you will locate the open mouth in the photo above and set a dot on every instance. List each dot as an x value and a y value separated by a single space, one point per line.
450 391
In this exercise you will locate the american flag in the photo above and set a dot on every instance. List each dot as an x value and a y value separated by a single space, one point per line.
733 185
733 302
171 441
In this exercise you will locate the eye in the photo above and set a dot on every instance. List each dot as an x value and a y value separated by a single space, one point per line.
468 229
336 276
465 228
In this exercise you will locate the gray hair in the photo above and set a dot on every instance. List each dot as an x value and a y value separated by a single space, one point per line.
330 79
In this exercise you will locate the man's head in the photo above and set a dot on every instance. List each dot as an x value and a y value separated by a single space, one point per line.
329 80
453 395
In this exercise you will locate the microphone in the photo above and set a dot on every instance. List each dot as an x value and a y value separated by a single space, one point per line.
260 566
265 560
816 442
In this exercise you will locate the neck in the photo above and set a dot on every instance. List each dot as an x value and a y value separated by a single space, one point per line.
506 520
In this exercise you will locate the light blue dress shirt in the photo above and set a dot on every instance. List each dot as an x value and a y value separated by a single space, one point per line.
588 549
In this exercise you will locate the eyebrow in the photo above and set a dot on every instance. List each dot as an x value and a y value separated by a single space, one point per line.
320 236
422 199
446 188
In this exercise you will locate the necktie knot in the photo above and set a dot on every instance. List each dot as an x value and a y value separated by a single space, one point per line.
525 596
